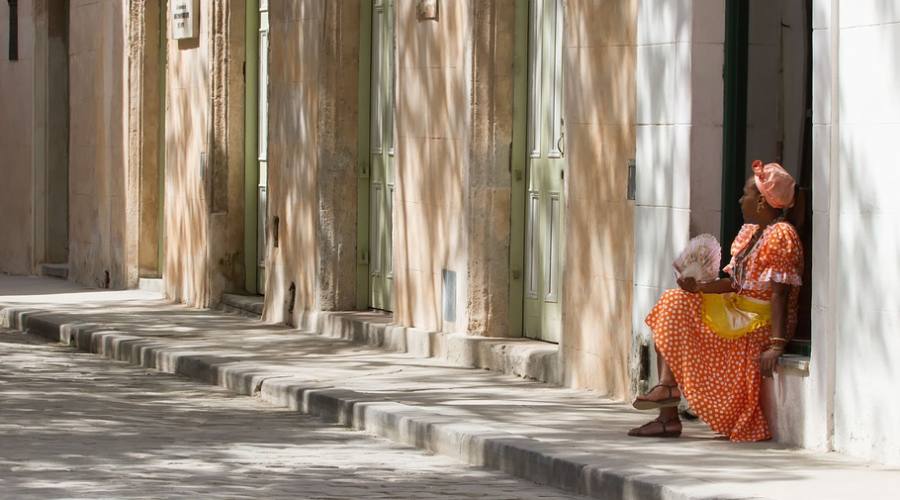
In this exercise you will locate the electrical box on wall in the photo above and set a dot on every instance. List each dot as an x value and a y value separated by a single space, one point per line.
185 19
427 10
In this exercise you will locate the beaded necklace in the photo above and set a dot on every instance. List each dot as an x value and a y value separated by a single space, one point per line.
740 260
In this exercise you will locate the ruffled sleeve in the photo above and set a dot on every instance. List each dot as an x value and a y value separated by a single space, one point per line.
780 257
740 241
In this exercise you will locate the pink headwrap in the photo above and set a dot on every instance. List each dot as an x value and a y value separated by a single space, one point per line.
775 184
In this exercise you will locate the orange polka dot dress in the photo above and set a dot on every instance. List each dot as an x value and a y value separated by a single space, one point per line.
719 377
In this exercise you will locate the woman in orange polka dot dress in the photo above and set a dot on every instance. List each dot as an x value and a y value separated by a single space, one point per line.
716 340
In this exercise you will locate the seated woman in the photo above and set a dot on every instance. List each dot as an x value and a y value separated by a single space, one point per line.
716 340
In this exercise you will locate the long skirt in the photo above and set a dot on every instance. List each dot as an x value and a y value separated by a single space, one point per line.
720 378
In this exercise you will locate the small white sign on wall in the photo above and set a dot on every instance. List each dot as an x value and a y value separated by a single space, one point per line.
185 19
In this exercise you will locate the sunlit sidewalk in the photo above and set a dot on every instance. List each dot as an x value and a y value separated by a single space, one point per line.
567 438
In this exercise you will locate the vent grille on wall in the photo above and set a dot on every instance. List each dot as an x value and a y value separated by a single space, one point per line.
448 297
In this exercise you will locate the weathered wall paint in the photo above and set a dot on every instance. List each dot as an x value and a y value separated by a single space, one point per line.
313 103
295 37
187 138
487 301
204 158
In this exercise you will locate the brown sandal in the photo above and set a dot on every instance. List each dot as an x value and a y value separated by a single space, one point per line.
664 433
642 403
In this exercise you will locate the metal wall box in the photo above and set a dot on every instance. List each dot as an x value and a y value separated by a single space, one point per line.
448 297
427 10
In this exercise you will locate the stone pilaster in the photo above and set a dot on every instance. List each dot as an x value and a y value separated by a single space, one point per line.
489 181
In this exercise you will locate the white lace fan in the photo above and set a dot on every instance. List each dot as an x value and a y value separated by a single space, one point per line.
700 259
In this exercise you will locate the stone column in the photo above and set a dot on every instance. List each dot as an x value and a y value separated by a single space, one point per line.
489 179
313 114
337 157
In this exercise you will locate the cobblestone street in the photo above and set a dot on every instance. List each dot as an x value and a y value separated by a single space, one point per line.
75 426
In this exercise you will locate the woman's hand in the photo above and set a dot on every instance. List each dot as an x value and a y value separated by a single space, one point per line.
767 361
689 284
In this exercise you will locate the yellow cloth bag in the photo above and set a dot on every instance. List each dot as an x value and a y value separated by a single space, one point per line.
731 316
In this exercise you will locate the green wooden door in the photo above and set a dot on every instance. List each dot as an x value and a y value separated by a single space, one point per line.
544 198
382 177
263 142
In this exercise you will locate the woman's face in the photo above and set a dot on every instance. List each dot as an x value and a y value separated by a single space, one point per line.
749 201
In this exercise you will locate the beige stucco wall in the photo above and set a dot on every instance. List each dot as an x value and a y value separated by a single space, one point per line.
204 158
295 36
17 123
187 136
432 162
313 135
98 199
599 69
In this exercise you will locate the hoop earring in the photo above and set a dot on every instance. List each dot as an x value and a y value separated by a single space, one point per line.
760 204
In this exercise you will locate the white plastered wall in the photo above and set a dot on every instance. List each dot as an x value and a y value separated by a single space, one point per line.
679 141
866 244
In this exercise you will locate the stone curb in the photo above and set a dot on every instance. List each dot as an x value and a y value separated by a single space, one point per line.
513 356
475 444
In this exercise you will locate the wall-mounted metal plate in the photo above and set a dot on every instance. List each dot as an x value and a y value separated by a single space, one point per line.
448 297
427 10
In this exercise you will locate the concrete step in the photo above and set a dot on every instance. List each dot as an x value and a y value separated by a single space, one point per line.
60 271
521 357
245 305
151 285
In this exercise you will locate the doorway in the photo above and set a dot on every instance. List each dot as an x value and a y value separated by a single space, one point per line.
768 116
56 227
545 174
256 140
382 177
151 249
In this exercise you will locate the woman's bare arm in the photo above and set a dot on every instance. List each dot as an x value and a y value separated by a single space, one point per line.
722 285
769 358
780 293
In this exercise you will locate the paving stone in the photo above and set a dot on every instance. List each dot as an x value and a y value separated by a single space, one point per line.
75 426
